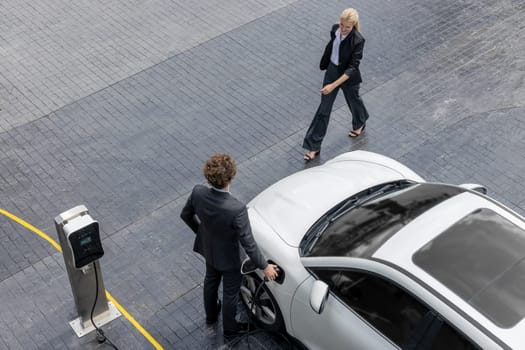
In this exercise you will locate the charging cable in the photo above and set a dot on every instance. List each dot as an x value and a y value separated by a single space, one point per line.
255 301
101 337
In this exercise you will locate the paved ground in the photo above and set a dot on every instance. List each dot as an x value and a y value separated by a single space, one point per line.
115 105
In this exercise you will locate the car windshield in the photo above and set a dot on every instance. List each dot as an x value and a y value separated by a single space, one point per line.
358 226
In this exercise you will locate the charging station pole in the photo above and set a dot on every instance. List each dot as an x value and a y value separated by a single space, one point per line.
81 247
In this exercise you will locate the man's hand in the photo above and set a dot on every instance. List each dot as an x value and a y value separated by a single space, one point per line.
269 272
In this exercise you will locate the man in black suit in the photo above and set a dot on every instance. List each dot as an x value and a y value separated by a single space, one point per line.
222 225
341 60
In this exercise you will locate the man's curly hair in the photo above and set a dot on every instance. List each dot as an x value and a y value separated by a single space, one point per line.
219 170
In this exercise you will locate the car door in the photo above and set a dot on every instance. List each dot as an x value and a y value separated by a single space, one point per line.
371 305
364 310
335 328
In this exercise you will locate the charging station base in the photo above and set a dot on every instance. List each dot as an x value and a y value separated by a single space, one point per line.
100 320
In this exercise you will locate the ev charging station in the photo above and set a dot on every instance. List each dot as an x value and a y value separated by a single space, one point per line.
81 247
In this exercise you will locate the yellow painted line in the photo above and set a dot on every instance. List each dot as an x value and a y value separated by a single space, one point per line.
123 311
32 228
134 322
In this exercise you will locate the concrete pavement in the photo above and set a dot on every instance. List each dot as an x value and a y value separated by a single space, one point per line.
116 106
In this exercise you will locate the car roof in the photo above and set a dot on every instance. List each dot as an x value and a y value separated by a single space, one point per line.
359 231
464 271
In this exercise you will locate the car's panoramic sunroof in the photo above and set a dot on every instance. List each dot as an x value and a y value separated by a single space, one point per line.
482 259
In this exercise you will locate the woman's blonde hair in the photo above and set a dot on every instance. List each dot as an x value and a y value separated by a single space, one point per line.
350 15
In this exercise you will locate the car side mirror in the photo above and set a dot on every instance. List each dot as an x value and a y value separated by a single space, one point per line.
318 296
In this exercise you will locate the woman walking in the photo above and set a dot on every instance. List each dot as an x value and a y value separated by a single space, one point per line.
341 61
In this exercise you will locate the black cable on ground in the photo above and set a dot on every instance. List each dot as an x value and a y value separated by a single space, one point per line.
101 337
255 300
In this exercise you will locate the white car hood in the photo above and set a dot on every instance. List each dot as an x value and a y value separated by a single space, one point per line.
292 205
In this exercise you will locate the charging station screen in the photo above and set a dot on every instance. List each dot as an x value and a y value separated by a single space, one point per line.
85 240
85 244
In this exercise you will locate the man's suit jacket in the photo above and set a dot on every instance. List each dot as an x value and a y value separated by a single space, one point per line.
221 223
350 54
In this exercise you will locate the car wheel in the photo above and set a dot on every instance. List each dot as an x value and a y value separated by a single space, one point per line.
265 310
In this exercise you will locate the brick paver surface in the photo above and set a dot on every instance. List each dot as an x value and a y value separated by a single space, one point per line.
116 105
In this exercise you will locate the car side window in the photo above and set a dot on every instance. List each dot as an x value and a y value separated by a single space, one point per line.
387 307
448 338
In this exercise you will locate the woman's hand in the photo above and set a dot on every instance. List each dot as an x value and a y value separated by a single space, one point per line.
328 88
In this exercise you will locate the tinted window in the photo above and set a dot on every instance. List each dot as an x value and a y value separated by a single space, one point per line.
482 259
362 230
388 308
448 338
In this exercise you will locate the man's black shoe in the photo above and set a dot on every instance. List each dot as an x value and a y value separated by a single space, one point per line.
211 321
242 328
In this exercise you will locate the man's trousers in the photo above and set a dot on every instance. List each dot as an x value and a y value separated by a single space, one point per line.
231 285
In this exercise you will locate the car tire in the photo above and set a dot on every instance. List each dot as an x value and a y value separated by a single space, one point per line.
265 312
